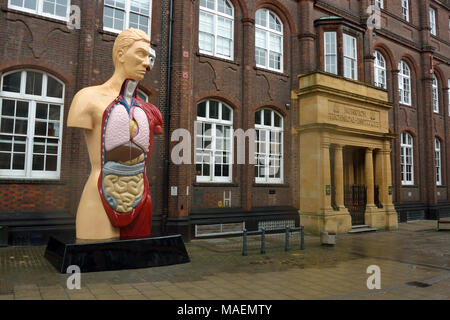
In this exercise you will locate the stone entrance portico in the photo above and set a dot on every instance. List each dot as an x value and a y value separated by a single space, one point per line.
344 141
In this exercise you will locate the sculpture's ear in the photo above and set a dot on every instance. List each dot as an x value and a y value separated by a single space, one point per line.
120 56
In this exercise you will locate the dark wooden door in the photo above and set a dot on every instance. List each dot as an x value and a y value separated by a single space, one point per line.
355 200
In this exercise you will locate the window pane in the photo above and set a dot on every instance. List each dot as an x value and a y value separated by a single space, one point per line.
54 88
201 109
34 83
5 143
53 130
5 161
51 163
206 42
224 7
55 112
260 38
277 121
206 22
224 28
275 43
21 127
226 113
41 111
30 4
22 109
40 128
18 161
38 162
267 117
274 23
258 117
11 82
7 126
214 110
261 17
260 57
8 107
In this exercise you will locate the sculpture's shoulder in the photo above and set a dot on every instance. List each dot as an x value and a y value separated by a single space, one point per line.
82 107
154 114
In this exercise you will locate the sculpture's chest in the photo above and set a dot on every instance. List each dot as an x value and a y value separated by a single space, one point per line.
123 127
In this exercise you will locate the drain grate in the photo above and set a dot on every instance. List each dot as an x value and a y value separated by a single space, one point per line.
418 284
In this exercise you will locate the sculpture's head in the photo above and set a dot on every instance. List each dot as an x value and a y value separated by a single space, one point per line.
132 54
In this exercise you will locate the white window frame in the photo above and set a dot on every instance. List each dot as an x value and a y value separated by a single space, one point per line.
214 122
270 129
379 4
435 94
40 10
268 32
332 45
33 100
404 74
448 93
353 60
433 29
438 162
216 15
405 10
380 70
142 95
406 152
126 22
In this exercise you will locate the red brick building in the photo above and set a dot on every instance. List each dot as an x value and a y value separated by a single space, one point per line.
233 65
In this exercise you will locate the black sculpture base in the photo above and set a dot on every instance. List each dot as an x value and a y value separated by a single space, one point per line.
116 254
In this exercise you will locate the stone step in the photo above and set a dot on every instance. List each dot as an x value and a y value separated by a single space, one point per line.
359 230
360 226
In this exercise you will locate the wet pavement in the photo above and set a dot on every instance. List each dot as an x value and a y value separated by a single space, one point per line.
414 263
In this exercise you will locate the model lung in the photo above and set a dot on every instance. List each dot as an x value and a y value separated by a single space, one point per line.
127 134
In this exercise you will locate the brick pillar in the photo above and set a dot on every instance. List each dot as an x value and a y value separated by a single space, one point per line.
247 172
396 143
307 36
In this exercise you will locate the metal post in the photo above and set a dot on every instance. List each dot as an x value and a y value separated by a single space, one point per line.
302 238
263 241
244 243
286 247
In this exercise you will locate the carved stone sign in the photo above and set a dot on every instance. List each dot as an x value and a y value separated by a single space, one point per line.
349 114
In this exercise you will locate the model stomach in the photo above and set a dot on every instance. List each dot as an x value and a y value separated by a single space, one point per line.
125 141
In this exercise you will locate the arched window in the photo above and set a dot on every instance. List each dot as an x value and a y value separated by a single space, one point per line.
31 114
119 15
269 147
380 70
268 40
435 95
141 94
216 28
407 159
404 83
437 154
214 142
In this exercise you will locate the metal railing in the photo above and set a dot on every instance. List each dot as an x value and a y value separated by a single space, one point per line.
262 232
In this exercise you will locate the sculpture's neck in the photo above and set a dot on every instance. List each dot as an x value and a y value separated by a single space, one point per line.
128 91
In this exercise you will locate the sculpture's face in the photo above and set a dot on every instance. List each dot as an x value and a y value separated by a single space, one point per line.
137 60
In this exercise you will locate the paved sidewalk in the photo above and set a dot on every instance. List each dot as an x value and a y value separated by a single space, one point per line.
414 262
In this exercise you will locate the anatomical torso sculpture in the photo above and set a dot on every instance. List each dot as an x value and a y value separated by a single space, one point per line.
128 125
